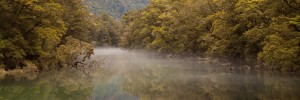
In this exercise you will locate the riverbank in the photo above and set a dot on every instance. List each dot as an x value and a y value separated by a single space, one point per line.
29 72
133 75
201 58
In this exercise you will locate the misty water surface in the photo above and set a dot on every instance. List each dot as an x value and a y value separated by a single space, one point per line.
140 75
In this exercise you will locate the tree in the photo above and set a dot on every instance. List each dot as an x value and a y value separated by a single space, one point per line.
236 31
32 31
109 32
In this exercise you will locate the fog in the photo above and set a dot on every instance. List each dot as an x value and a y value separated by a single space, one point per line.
137 74
143 75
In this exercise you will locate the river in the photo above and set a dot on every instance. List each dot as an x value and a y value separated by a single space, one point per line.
140 75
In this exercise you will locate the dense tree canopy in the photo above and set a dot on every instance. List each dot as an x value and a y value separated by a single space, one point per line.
109 31
37 31
255 32
115 8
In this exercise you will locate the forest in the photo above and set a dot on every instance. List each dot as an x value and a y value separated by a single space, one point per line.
52 34
115 8
258 33
149 49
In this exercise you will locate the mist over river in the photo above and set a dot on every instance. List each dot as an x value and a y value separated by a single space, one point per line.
140 75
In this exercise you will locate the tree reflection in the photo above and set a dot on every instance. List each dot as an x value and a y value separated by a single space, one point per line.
162 83
65 84
133 76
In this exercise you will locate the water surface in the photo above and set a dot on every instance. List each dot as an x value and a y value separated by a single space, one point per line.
138 75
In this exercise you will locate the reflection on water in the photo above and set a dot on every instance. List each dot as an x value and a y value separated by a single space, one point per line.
67 84
137 75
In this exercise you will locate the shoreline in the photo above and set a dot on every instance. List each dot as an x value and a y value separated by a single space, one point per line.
202 58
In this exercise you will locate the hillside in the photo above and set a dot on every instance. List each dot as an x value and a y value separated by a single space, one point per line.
115 8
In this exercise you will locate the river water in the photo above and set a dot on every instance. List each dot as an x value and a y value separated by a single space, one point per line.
138 75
